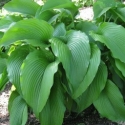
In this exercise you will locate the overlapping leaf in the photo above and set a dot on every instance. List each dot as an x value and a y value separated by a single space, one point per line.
120 12
18 112
37 79
110 103
112 61
112 35
102 6
6 22
86 27
28 29
59 30
46 15
74 56
91 72
79 46
62 52
13 95
94 90
54 4
53 112
121 66
14 63
46 84
22 6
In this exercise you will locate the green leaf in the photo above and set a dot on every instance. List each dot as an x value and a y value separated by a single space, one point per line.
3 73
22 6
46 15
28 29
46 85
112 35
34 42
53 112
74 56
100 7
120 12
1 34
13 95
62 52
79 46
91 72
59 30
110 103
18 112
3 79
14 64
3 64
113 65
94 90
8 20
33 74
121 66
86 27
54 4
118 81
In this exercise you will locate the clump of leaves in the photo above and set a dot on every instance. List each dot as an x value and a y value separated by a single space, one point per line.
58 63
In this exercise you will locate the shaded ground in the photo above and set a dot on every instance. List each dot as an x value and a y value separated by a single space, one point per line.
4 97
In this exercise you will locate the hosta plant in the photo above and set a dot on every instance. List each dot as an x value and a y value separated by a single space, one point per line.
57 63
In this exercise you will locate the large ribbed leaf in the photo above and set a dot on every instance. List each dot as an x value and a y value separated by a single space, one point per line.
54 110
46 15
18 112
62 52
121 66
79 46
110 103
91 72
22 6
113 36
33 78
94 90
59 30
54 4
14 63
46 84
74 56
28 29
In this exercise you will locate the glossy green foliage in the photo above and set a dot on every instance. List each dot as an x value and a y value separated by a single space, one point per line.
57 63
110 103
22 6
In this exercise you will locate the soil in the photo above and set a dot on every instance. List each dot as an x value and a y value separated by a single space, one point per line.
4 97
